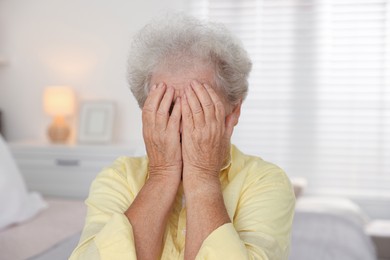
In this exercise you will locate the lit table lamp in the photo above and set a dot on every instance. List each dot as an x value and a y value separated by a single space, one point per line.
59 102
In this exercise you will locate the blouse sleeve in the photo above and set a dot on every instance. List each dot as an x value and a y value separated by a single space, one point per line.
261 226
107 232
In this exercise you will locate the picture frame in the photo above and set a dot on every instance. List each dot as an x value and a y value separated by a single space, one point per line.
96 122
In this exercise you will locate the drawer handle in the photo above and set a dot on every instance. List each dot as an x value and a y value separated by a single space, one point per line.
64 162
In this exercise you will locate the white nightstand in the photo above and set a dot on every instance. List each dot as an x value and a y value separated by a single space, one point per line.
65 170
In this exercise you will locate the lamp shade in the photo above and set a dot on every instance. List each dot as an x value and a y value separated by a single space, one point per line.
59 101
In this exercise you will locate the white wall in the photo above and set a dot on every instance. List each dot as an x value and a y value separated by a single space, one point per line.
83 44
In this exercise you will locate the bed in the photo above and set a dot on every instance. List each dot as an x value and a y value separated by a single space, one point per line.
323 229
52 234
30 224
330 229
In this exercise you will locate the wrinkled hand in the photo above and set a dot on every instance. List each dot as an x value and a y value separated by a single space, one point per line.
205 134
161 132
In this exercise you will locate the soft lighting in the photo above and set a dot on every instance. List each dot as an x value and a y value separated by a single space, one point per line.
59 102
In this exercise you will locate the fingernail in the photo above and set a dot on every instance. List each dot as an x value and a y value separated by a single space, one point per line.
154 87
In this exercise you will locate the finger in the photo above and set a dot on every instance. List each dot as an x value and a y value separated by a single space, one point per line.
152 102
218 104
162 114
195 107
188 122
205 100
174 119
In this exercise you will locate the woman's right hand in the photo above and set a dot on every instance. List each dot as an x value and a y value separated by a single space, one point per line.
161 132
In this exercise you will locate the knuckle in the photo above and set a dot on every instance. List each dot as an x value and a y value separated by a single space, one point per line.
198 110
162 113
219 105
146 112
187 114
148 108
208 105
174 118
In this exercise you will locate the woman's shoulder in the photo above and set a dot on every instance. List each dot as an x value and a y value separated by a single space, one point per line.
129 165
254 168
130 170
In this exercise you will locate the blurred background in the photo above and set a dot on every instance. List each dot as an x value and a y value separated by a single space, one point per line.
319 99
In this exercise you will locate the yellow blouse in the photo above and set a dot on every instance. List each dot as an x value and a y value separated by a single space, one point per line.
258 197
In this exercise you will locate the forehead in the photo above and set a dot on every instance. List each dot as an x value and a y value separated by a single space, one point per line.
180 77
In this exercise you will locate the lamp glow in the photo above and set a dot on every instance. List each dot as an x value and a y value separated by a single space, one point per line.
59 102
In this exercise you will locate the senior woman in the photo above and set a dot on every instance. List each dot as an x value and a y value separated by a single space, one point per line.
194 196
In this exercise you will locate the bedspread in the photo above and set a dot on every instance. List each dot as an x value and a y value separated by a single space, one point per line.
62 219
329 235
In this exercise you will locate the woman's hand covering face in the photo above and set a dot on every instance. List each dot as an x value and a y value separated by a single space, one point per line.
206 133
205 139
161 131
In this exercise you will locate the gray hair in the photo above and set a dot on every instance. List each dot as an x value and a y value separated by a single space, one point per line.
183 37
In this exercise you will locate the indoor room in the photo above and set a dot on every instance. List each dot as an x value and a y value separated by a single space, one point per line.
316 110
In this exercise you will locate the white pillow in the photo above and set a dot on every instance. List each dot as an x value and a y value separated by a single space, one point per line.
16 203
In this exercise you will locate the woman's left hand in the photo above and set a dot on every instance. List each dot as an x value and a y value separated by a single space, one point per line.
205 132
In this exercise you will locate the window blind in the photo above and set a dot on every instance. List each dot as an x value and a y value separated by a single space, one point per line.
319 98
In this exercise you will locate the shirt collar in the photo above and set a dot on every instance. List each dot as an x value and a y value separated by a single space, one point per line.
228 161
